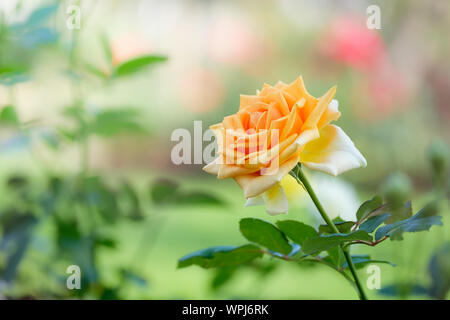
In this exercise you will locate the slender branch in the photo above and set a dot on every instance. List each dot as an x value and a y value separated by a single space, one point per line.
330 223
367 243
316 260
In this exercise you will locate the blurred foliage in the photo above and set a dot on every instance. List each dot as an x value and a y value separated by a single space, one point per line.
54 219
79 210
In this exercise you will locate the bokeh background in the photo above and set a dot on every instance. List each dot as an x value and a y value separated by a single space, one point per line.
87 111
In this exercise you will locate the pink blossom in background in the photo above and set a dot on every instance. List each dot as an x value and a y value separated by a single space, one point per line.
127 47
201 90
380 94
387 89
381 89
349 41
233 41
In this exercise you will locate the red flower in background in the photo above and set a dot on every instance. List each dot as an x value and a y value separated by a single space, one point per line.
350 42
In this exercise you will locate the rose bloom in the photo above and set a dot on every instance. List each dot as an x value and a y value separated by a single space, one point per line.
273 131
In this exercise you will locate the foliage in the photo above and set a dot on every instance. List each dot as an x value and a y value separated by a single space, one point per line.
298 242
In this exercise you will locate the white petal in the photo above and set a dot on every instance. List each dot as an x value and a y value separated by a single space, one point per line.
274 199
307 136
214 166
254 201
333 152
255 185
334 106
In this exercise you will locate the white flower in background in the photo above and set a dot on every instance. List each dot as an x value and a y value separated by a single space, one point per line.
337 196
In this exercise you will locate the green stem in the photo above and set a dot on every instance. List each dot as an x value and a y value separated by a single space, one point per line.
330 223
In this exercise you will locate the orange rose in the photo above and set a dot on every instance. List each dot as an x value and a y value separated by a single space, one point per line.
273 131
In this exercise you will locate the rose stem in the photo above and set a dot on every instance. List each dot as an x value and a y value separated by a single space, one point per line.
325 217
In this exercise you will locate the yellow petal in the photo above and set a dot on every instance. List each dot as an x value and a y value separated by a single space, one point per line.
274 199
315 115
331 114
333 152
254 185
291 187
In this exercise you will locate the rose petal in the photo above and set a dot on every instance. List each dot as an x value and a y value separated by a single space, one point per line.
274 199
214 166
254 185
332 153
331 114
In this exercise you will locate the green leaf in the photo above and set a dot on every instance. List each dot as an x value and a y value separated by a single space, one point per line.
136 64
343 227
296 231
221 256
362 260
222 276
372 223
335 256
265 234
162 191
368 207
9 116
421 221
326 242
111 122
399 212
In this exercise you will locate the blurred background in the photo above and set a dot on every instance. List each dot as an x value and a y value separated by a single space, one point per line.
90 92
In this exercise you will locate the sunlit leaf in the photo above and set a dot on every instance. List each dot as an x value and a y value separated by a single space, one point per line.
111 122
296 231
326 242
9 116
343 227
134 65
368 207
265 234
